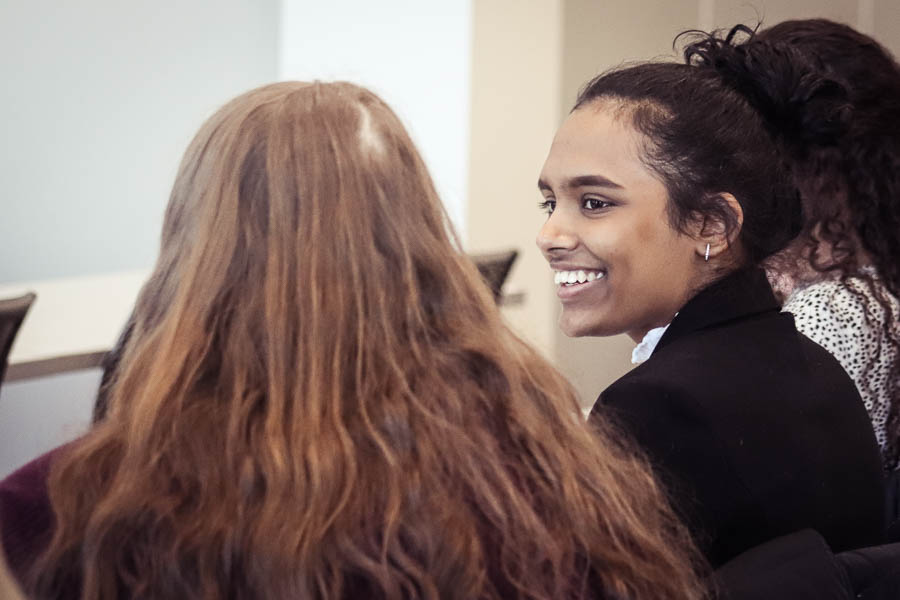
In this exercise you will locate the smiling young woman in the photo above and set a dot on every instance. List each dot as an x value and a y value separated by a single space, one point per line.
665 190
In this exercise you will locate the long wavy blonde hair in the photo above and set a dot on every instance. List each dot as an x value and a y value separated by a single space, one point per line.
319 399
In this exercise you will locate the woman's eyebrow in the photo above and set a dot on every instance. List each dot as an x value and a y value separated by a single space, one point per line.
592 181
582 181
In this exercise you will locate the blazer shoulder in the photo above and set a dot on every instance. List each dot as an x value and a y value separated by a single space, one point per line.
668 379
653 406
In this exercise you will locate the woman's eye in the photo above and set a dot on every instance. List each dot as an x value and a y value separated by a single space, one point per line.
595 204
548 206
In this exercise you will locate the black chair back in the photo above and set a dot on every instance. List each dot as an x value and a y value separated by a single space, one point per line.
892 505
495 268
801 566
12 313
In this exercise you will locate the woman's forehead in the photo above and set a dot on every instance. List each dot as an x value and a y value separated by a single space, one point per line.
594 143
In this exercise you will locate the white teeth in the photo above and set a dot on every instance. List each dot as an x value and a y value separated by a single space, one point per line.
579 276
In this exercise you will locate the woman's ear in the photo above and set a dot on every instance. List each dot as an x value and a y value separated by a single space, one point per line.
716 232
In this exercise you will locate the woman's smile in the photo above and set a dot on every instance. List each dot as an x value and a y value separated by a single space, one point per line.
575 277
572 284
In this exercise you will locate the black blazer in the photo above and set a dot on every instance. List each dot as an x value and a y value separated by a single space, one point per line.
755 430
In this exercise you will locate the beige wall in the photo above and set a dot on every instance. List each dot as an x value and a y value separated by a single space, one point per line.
529 61
516 65
885 23
730 12
601 35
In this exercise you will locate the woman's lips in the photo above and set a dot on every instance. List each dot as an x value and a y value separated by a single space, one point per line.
572 283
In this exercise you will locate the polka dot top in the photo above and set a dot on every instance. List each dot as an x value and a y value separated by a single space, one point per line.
830 314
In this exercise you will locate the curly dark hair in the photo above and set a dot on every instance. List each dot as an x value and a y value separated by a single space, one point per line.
851 191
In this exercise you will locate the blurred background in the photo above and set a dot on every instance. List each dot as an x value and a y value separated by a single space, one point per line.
100 98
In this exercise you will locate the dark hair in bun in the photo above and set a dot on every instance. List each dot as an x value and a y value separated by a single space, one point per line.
799 105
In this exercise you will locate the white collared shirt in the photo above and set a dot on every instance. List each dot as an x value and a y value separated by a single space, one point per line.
643 350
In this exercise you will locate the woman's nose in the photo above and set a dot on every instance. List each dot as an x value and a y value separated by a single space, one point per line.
555 236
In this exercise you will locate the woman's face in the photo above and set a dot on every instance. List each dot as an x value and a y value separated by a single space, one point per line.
618 264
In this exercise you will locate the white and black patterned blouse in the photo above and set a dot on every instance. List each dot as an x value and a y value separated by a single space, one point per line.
832 315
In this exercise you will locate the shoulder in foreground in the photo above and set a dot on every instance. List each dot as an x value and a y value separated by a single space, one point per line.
30 478
24 499
26 514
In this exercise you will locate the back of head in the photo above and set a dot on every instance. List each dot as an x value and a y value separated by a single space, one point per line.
319 399
851 190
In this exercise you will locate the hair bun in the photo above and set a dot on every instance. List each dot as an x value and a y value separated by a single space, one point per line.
800 105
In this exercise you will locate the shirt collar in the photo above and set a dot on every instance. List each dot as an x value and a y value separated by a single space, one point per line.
643 350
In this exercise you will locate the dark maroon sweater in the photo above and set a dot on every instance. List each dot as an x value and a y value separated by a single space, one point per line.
26 517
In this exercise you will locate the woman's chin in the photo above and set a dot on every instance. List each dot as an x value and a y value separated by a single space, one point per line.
575 327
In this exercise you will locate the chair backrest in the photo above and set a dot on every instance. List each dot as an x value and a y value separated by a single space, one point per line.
873 572
495 268
12 313
801 566
892 504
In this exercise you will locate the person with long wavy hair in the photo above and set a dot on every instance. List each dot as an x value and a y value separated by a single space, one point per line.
319 399
841 278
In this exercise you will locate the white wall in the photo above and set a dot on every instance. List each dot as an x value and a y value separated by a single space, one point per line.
36 415
99 99
415 54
